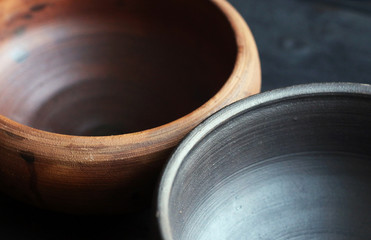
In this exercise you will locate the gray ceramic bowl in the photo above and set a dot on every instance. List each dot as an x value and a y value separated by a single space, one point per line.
293 163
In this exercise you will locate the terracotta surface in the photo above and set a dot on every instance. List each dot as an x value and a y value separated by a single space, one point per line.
138 74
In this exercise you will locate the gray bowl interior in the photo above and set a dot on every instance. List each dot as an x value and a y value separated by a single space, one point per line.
295 167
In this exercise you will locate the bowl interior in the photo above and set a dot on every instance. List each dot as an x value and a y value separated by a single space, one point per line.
92 67
298 168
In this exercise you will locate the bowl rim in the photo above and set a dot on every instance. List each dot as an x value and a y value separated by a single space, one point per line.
163 137
229 112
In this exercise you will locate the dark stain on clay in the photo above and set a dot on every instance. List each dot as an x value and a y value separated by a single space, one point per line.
18 17
38 7
29 158
12 135
27 16
89 148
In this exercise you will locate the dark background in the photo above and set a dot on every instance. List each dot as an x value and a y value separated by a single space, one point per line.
299 41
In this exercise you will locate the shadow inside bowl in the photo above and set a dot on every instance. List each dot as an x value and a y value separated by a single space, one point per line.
96 68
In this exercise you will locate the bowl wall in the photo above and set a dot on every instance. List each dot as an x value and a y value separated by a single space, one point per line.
96 68
123 81
288 164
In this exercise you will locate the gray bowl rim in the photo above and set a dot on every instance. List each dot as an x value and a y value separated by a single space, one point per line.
231 111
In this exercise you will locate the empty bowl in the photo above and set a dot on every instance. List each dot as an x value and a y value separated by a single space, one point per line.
95 94
294 163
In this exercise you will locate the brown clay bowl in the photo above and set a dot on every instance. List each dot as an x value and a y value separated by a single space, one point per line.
95 94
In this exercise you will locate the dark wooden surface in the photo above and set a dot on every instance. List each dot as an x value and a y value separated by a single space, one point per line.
299 41
302 41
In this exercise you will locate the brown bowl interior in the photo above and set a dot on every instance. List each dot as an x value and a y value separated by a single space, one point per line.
93 68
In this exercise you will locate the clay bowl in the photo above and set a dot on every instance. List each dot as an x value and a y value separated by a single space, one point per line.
294 163
95 94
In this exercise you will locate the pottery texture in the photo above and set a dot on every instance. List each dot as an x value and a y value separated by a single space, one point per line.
293 163
94 95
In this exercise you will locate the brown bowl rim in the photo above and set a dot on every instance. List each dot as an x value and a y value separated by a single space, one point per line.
167 135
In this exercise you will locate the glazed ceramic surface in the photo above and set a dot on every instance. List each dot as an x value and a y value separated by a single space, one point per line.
293 163
95 94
